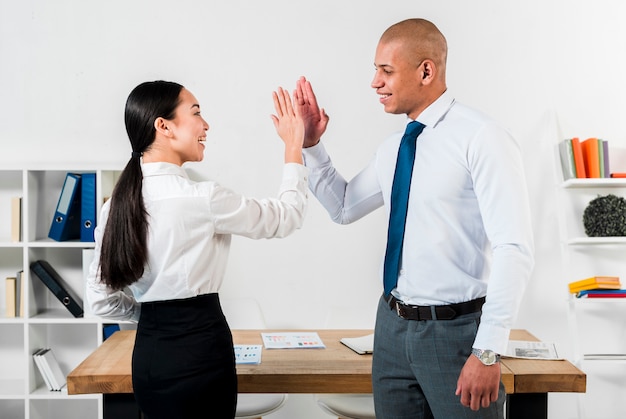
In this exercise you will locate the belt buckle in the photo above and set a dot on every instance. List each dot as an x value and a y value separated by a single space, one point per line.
398 309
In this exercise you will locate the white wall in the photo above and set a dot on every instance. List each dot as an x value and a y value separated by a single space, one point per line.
546 69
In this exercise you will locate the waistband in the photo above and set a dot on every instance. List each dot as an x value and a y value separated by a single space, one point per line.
441 312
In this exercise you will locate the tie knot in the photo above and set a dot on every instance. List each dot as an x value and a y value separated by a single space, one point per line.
413 129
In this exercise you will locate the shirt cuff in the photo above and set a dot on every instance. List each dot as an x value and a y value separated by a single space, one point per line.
492 337
315 156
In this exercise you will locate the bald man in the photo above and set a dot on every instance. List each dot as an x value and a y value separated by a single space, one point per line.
467 250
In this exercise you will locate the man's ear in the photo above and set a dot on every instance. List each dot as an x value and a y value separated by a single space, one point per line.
161 126
428 74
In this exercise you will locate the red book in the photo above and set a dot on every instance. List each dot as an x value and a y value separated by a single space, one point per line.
591 157
602 294
579 160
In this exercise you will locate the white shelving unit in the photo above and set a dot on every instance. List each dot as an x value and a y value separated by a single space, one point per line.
598 326
46 322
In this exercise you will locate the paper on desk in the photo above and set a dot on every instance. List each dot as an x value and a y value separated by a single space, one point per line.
527 349
361 345
292 340
248 354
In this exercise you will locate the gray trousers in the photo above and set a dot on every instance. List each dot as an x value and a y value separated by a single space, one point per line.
416 365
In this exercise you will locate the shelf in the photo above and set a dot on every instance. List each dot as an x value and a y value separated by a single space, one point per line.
46 322
596 325
594 241
595 183
11 388
63 244
603 300
604 357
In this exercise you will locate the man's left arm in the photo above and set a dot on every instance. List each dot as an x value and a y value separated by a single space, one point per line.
500 187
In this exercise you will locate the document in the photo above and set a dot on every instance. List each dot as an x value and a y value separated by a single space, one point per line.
361 345
292 340
531 350
248 354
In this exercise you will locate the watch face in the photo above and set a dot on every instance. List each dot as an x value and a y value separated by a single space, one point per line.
488 357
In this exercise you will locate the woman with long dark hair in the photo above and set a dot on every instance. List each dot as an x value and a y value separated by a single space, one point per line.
162 244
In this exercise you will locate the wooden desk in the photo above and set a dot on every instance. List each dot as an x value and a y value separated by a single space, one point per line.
335 369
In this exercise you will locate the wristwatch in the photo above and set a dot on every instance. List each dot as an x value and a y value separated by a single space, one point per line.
486 356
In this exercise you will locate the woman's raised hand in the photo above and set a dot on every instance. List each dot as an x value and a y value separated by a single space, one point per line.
289 125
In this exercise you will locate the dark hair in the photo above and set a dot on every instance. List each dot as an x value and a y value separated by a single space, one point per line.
124 251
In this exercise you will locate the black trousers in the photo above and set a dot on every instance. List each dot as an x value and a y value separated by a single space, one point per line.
183 360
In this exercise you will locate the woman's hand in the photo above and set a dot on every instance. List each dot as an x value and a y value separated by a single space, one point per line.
289 125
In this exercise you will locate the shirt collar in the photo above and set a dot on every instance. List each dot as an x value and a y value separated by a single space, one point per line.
162 168
435 112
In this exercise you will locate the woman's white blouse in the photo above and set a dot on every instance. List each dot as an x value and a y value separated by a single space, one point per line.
190 228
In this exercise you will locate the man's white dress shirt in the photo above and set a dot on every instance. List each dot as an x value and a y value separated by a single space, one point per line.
468 230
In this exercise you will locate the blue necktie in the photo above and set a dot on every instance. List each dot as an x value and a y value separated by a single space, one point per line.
399 204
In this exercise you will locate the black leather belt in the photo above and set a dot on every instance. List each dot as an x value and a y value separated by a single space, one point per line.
447 312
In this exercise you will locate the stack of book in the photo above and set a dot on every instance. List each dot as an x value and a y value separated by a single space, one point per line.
597 287
584 159
49 368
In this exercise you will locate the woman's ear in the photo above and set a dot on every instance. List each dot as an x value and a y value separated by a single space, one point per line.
161 126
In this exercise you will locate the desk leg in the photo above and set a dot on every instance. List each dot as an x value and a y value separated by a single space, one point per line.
121 406
527 405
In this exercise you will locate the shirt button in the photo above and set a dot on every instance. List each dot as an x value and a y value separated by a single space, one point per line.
402 271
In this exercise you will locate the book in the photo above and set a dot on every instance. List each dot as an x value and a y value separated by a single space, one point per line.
579 159
19 293
66 221
292 340
591 157
361 345
41 368
600 157
50 369
16 219
566 154
605 155
10 296
595 282
598 286
602 293
46 273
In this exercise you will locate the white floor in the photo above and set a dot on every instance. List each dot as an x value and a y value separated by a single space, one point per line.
303 406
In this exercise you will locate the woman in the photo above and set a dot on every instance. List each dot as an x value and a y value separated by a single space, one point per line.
162 245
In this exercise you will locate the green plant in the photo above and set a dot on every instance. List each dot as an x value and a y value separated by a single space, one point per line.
605 216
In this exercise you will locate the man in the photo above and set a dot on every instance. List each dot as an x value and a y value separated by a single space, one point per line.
467 234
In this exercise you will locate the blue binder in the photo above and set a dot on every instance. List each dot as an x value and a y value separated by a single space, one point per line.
66 221
88 207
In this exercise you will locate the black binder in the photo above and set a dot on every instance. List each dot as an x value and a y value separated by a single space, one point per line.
55 283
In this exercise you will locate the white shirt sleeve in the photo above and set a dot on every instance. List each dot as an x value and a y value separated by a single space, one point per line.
345 202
